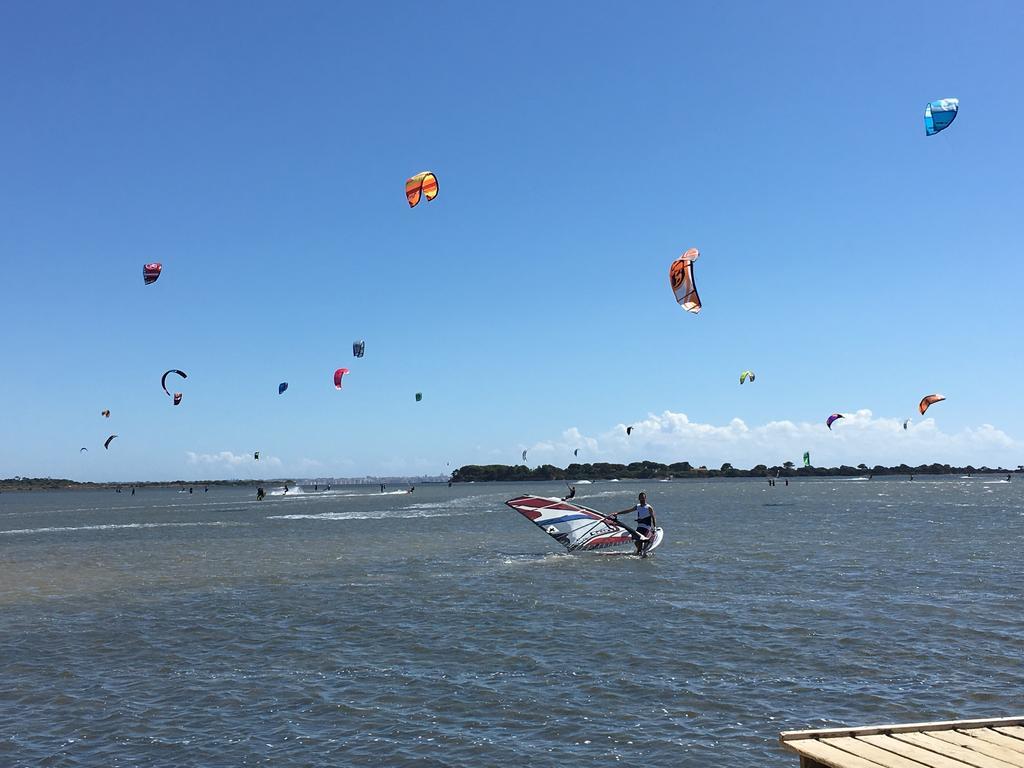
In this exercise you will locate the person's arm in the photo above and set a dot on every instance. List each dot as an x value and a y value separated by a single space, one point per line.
654 518
623 512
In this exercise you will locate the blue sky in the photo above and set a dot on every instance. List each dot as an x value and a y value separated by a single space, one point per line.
259 151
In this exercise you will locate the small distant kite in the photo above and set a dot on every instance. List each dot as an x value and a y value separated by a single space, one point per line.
105 413
629 431
282 387
422 184
680 275
419 396
929 400
106 444
905 422
176 397
832 418
747 375
256 456
358 348
150 272
524 455
337 377
807 458
576 452
82 449
938 115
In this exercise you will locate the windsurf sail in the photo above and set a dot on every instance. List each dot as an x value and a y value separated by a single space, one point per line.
576 528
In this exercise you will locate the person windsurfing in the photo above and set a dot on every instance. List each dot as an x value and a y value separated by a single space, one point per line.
646 522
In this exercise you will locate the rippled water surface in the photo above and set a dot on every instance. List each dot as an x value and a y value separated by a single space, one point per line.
441 628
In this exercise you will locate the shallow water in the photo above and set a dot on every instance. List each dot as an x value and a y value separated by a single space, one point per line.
441 628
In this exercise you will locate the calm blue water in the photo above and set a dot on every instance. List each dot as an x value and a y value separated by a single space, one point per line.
441 628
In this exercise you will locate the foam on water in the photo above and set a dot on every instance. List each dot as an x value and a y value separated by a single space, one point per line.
117 527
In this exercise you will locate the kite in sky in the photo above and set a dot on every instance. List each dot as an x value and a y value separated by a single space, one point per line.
938 115
176 397
680 275
422 184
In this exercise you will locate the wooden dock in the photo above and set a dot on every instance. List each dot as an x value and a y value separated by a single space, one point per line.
997 743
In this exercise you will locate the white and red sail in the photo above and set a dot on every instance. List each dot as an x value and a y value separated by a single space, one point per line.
574 527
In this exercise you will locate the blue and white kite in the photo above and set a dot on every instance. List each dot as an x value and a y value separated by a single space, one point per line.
939 114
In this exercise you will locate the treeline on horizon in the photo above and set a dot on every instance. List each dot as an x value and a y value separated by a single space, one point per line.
651 470
53 483
19 483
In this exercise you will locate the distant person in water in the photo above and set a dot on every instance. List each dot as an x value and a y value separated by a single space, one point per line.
646 522
411 489
572 493
286 488
133 491
316 486
206 489
260 493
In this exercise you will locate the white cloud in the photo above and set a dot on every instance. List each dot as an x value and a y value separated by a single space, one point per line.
858 437
229 459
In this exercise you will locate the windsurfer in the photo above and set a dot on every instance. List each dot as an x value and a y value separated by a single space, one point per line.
646 522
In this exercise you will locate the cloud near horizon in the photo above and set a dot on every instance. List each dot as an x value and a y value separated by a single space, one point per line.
230 459
859 437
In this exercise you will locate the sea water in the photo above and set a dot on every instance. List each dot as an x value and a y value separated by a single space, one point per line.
441 628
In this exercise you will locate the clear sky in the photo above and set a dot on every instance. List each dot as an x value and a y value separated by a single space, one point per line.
259 151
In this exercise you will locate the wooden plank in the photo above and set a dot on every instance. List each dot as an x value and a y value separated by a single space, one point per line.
912 751
870 730
833 757
1010 730
995 737
980 745
870 752
964 755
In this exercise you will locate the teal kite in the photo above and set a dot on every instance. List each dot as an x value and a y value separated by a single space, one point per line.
938 115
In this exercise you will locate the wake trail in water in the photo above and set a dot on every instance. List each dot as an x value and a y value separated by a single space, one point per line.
122 526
